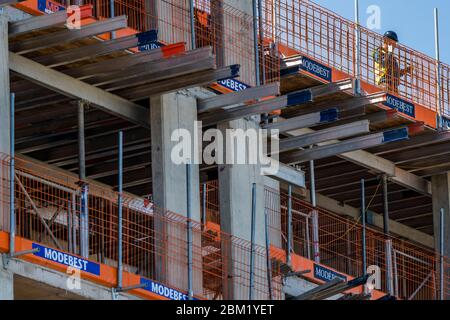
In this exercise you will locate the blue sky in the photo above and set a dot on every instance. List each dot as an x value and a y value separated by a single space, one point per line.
411 19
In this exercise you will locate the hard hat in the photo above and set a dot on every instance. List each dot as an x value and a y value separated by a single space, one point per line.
391 35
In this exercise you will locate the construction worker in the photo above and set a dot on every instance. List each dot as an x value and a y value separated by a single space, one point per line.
387 67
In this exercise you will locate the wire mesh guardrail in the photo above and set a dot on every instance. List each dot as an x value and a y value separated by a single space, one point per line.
209 193
300 27
407 270
307 28
227 30
49 210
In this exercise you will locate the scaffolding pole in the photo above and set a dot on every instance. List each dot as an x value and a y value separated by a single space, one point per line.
438 69
84 215
204 206
192 23
189 230
256 42
269 264
385 205
363 219
289 228
12 217
252 250
81 142
357 51
113 14
315 217
120 213
441 258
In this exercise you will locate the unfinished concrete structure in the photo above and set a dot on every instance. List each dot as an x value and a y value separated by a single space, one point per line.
211 231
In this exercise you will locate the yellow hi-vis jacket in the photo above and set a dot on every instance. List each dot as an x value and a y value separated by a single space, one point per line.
387 68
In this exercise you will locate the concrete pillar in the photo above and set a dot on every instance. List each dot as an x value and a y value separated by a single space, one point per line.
235 185
4 123
174 22
168 113
6 283
235 39
441 199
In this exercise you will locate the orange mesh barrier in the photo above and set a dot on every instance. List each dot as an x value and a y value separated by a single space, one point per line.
307 28
227 30
212 201
415 269
48 211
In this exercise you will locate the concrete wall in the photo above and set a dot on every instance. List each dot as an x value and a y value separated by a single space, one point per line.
441 199
49 278
235 198
6 282
168 113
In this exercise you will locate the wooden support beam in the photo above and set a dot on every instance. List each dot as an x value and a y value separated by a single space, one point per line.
183 82
339 132
86 52
163 65
336 148
267 106
217 102
7 2
304 121
65 36
74 88
37 23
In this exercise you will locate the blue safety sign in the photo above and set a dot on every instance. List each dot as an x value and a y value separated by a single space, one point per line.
49 7
66 259
400 105
163 291
317 69
233 84
326 275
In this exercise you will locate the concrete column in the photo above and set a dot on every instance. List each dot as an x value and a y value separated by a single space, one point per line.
235 185
168 113
174 21
4 123
441 199
6 283
235 39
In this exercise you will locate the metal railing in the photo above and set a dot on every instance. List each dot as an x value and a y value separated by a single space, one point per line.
300 27
307 28
209 192
48 210
224 28
408 270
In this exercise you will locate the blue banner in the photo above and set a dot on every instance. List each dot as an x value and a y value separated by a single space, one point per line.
317 69
49 6
400 105
233 84
326 275
66 259
163 291
150 46
446 123
148 40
